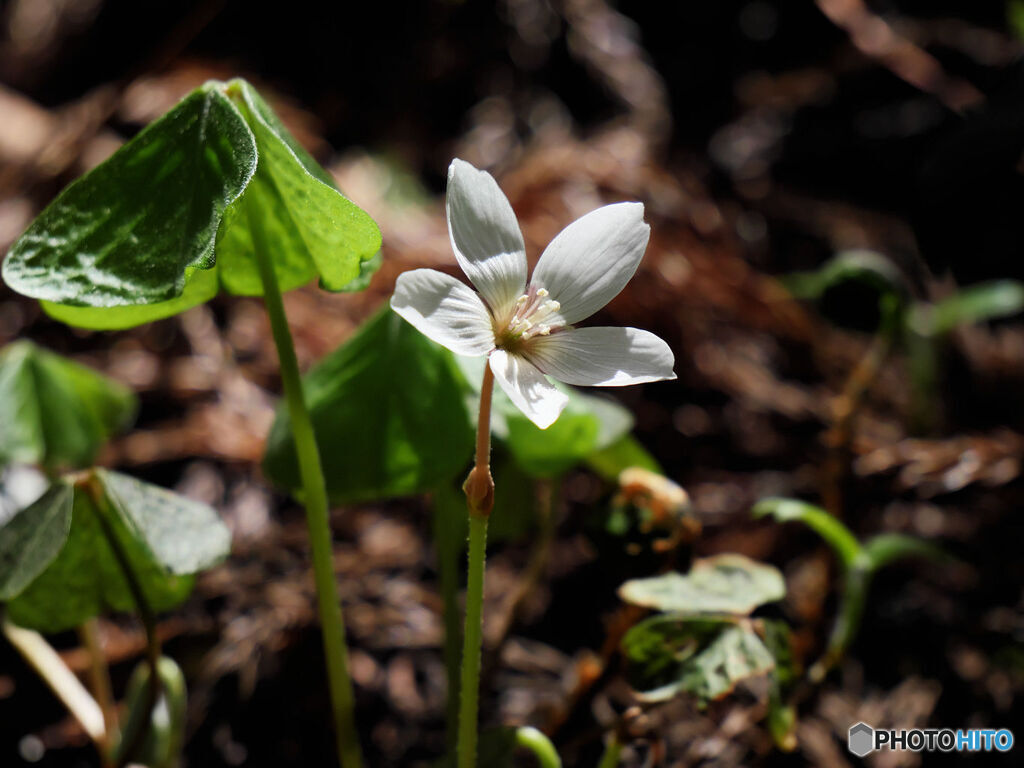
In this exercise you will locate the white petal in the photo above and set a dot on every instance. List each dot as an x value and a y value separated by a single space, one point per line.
485 236
603 357
592 259
445 310
527 388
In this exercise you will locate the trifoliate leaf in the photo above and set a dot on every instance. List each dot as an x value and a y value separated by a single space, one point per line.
672 654
170 217
163 538
56 413
389 415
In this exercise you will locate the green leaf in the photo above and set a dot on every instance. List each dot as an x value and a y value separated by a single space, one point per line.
310 227
126 232
671 654
164 538
167 720
863 266
550 452
200 286
835 534
31 539
367 269
515 502
587 425
389 413
56 413
168 219
888 548
626 452
730 584
975 304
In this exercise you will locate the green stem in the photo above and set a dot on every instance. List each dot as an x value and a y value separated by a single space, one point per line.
530 738
468 701
479 488
856 582
448 529
315 498
612 753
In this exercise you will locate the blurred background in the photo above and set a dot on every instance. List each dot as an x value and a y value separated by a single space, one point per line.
764 137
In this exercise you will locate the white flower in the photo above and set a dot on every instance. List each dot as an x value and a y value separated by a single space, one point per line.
526 330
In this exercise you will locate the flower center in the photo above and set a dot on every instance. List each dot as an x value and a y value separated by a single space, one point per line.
527 320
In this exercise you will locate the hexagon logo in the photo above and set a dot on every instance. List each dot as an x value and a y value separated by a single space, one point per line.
861 739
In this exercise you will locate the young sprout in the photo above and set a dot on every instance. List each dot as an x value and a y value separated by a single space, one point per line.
526 330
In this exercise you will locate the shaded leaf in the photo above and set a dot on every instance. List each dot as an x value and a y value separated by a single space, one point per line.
161 746
389 413
515 502
163 537
835 534
864 266
730 584
588 424
54 412
672 654
32 539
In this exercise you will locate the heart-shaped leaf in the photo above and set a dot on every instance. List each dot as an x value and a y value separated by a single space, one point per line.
163 537
389 415
168 219
728 584
56 413
672 654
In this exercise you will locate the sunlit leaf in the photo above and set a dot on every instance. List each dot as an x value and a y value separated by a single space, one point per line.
730 584
168 219
389 414
164 538
310 228
56 413
834 533
672 654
